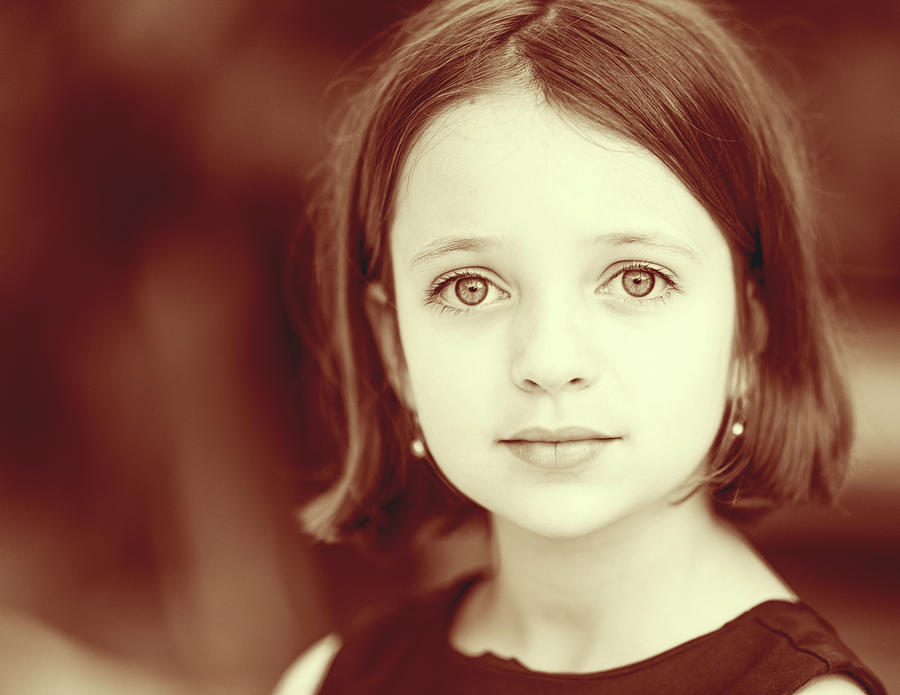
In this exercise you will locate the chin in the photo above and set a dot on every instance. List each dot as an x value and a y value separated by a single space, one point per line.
580 516
559 530
564 521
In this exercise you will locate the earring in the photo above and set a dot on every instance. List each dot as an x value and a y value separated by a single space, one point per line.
417 445
737 428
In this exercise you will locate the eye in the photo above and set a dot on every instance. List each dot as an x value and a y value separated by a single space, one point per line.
639 282
463 291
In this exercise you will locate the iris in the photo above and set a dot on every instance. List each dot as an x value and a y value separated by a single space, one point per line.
638 283
471 290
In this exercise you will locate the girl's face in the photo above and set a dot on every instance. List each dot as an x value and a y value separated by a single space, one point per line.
566 311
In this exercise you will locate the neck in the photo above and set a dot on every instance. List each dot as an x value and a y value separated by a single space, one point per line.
626 592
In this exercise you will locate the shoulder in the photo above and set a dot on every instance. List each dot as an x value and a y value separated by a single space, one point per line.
833 684
377 636
383 644
799 635
306 674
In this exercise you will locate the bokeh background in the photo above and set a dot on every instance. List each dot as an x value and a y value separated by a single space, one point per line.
156 422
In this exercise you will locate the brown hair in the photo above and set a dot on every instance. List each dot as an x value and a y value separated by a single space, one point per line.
668 76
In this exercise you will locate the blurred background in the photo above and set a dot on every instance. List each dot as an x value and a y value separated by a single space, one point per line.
155 417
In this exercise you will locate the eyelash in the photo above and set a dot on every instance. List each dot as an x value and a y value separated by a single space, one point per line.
433 293
672 286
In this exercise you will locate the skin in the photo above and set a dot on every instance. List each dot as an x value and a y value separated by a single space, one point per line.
595 566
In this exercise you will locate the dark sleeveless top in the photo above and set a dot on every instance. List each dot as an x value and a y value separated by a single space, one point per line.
775 647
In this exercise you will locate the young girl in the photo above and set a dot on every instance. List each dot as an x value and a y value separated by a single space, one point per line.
566 258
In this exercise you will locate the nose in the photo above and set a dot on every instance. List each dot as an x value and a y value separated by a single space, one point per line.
552 349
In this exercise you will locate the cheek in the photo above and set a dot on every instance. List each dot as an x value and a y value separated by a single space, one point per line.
677 380
454 374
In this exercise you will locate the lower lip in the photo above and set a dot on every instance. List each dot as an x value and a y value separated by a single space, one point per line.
558 456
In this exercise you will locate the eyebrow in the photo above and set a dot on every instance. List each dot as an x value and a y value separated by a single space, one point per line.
664 242
446 245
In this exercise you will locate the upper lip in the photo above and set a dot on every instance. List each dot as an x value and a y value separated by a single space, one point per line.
562 434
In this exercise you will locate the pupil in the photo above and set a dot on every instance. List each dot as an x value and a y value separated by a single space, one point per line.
638 283
471 291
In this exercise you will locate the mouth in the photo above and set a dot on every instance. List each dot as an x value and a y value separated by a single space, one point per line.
560 449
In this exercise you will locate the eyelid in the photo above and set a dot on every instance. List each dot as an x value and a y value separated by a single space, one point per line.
635 264
468 271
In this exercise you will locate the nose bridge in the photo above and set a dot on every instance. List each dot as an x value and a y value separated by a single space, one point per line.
551 343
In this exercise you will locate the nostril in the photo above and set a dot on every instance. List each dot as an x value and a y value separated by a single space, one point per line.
574 383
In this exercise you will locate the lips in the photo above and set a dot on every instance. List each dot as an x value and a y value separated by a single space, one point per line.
557 449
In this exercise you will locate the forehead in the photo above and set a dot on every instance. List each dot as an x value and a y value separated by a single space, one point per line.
508 164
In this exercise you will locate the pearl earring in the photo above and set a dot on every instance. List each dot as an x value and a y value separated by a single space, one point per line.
737 428
417 446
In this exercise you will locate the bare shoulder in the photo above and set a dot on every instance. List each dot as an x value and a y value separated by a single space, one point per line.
833 684
306 674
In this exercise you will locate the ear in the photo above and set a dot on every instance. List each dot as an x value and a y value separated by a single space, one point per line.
754 342
758 320
382 317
